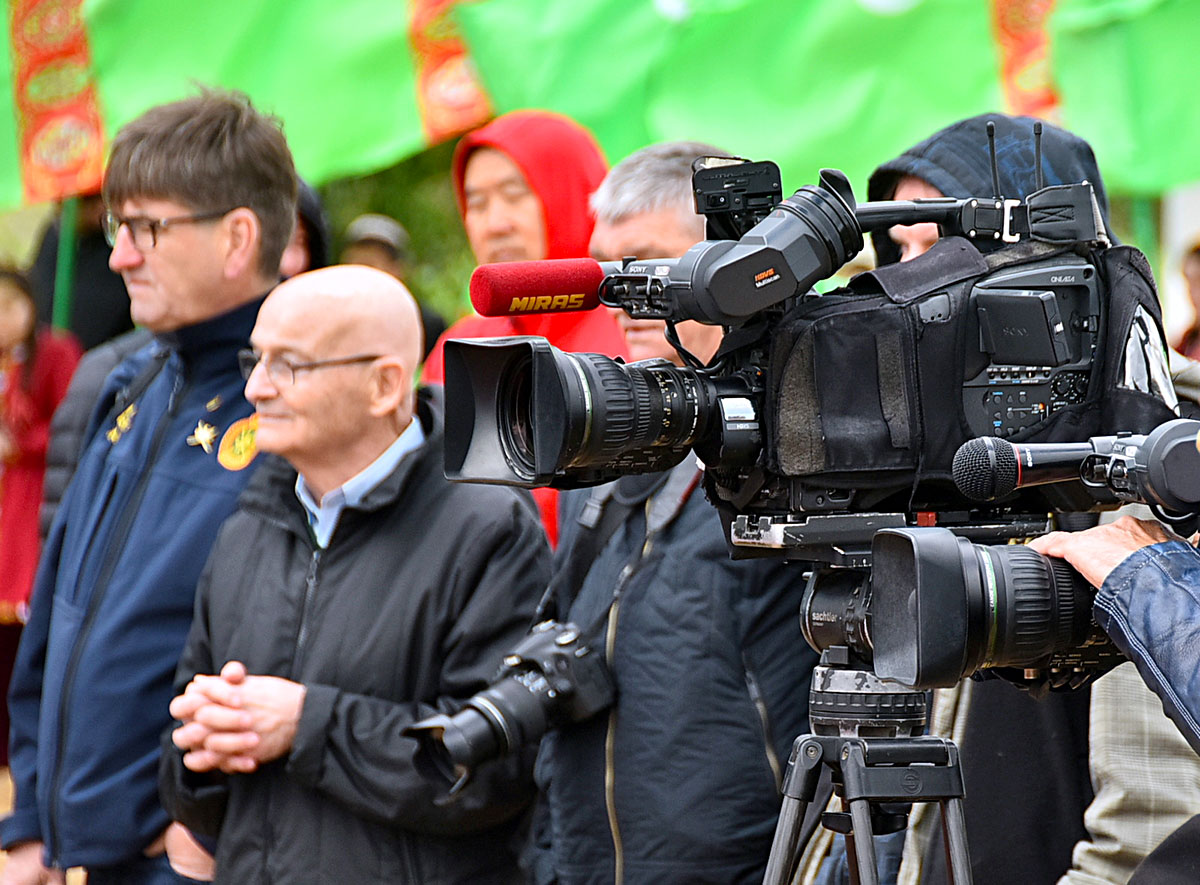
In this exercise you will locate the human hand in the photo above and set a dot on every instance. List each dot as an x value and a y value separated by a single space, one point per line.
23 866
192 734
235 722
187 856
1094 553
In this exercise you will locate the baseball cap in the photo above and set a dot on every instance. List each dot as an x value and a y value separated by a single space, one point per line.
379 228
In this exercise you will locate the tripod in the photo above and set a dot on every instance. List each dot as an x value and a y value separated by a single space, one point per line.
868 732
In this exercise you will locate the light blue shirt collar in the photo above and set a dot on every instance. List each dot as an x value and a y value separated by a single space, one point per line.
323 516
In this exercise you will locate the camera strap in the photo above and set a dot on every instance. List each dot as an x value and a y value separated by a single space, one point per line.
605 510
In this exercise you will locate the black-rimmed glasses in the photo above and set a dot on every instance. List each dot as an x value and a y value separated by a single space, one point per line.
282 371
145 231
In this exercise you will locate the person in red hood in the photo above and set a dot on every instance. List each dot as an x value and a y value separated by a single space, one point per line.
522 184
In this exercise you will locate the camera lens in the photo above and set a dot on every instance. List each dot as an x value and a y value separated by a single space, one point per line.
501 718
944 607
516 423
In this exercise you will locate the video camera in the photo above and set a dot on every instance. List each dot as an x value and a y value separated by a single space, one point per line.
828 424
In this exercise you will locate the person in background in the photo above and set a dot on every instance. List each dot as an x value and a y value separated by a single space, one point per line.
382 242
679 782
308 249
36 363
99 302
1188 343
354 592
1066 772
202 200
522 184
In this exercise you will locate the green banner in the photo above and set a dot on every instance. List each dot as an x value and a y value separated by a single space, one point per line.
10 153
1124 69
340 76
846 84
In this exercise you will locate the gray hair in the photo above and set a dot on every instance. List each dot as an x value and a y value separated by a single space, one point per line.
653 179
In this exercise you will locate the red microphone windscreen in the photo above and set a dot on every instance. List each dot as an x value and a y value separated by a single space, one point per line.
527 287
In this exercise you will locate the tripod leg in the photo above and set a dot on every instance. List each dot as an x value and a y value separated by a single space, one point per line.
864 843
799 789
955 824
783 846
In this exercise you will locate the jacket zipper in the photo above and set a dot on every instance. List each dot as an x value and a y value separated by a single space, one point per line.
764 719
310 591
178 389
610 786
610 773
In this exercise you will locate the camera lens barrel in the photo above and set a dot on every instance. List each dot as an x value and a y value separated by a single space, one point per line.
1022 607
944 607
535 415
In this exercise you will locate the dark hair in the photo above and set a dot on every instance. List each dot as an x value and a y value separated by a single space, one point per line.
21 283
211 152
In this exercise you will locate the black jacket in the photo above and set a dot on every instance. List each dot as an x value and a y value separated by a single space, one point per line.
712 678
407 612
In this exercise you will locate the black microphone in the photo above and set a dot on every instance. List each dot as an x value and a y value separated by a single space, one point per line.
988 467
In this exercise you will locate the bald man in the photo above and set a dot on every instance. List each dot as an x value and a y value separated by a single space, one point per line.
354 592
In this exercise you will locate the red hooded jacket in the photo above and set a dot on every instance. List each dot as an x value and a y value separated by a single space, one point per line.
563 165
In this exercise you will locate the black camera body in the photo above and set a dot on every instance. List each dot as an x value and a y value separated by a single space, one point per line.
553 676
825 419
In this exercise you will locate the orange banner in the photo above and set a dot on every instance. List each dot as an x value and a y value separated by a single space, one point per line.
1020 29
58 117
448 92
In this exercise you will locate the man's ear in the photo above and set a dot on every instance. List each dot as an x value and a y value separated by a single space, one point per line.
391 386
243 243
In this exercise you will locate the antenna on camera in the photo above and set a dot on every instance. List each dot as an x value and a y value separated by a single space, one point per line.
1037 154
991 134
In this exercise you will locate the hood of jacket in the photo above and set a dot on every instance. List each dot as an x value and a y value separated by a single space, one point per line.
563 165
956 161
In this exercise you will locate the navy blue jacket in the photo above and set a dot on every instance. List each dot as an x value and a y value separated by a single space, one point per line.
712 677
113 598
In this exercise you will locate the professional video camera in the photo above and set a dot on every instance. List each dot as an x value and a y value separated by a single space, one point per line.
828 426
825 418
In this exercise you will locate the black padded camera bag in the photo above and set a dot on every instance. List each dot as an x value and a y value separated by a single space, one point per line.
866 383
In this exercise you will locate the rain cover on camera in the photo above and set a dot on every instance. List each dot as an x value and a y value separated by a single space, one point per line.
875 386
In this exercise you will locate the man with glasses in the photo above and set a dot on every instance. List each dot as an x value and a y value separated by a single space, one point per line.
201 198
354 592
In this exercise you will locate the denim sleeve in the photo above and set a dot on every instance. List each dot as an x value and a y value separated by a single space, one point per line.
1150 606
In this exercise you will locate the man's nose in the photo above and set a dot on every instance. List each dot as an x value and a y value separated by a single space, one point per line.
124 255
259 386
499 217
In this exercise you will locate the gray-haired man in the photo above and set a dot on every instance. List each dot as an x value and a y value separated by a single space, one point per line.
678 783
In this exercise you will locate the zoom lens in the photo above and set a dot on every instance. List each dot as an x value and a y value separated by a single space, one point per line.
537 416
944 607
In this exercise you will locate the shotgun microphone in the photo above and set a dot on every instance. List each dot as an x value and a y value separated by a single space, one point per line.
515 288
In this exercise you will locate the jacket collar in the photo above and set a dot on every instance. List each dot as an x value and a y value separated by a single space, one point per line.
212 340
271 492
